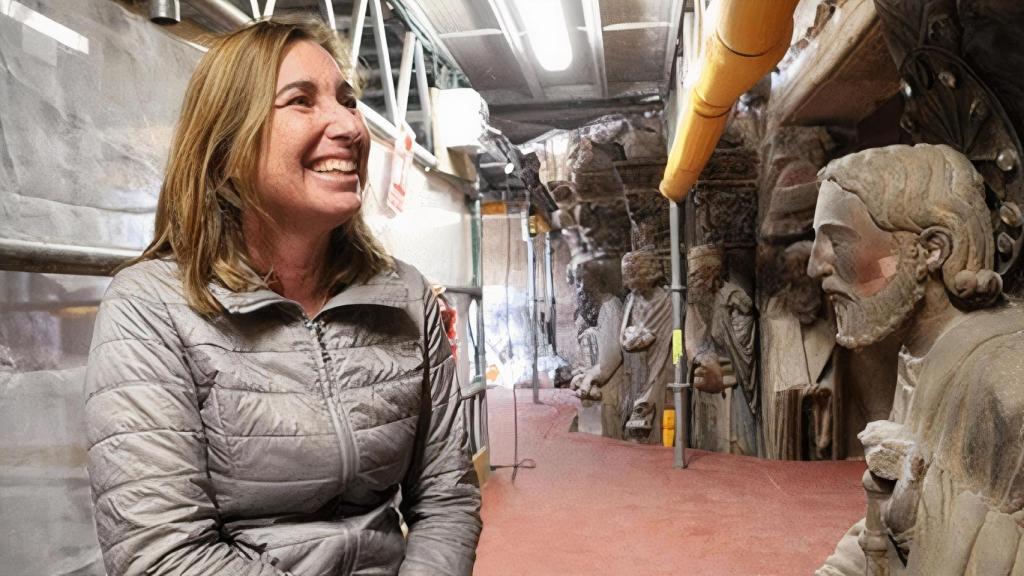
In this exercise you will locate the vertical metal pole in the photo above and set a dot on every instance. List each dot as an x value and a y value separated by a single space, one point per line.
548 265
356 33
678 356
423 89
405 77
327 13
481 350
531 262
384 61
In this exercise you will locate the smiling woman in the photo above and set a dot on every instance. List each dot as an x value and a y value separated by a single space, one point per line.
266 384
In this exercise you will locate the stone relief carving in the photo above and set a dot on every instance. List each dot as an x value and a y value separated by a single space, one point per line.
798 378
599 226
720 332
721 339
959 64
600 384
647 333
904 249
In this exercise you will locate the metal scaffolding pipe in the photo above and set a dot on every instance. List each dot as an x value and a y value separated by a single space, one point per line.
749 39
423 90
681 381
531 266
164 12
550 288
221 13
34 256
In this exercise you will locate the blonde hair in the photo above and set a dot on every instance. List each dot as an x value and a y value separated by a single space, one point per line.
214 155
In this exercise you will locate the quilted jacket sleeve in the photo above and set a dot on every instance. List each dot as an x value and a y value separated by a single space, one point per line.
147 461
441 495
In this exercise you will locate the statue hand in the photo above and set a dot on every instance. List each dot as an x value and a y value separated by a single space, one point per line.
899 512
588 389
636 338
577 379
886 445
707 377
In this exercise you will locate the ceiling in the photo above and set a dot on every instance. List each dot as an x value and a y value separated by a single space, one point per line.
622 56
622 52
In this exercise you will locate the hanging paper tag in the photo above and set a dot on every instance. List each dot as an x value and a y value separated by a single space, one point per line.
400 162
677 346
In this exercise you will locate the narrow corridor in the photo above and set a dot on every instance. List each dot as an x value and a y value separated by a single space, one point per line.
596 506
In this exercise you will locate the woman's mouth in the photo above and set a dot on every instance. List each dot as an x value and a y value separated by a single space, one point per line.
329 165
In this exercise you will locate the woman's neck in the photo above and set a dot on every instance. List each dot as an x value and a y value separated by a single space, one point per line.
297 259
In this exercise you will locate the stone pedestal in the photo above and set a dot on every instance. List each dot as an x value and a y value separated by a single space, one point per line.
590 420
600 418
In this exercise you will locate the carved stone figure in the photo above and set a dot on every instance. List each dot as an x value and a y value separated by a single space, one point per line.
721 336
799 377
960 65
904 248
800 407
647 332
601 381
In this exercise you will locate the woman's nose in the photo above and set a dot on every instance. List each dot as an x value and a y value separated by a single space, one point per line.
342 123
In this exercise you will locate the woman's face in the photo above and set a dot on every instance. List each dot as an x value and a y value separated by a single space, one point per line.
316 144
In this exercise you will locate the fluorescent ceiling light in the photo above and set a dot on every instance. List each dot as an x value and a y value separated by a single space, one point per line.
471 33
635 26
544 21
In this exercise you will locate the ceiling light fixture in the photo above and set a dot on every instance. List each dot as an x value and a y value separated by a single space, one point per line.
544 21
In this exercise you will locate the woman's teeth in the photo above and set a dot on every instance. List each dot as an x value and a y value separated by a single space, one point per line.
333 164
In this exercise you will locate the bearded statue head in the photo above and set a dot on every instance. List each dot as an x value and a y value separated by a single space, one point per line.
880 214
642 270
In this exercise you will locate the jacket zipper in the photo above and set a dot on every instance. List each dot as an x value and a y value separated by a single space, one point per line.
346 442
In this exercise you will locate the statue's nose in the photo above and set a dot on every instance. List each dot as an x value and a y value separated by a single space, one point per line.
822 260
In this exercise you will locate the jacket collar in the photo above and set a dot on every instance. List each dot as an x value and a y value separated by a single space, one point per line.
384 289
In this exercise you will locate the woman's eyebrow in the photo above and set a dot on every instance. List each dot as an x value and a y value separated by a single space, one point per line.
306 85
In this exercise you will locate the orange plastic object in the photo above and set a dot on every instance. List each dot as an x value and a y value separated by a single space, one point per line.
668 427
492 373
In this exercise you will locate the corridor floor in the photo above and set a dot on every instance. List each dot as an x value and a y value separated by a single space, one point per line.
595 506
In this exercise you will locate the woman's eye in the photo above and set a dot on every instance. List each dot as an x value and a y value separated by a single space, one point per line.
349 102
300 101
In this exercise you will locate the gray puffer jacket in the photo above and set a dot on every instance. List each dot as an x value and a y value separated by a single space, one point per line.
261 442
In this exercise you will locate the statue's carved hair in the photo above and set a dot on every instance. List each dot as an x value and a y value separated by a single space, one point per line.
912 189
644 262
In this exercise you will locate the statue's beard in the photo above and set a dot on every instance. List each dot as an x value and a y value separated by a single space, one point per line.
865 321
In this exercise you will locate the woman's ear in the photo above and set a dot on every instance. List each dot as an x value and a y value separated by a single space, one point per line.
937 243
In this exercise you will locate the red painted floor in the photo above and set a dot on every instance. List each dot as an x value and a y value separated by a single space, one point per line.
598 506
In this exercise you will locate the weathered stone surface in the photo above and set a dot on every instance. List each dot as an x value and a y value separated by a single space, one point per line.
731 164
726 213
646 336
956 451
959 66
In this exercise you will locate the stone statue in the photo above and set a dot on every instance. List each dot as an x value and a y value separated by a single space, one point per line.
904 249
800 403
720 337
799 376
600 384
647 331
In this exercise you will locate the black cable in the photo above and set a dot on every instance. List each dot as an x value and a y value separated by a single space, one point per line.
526 462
